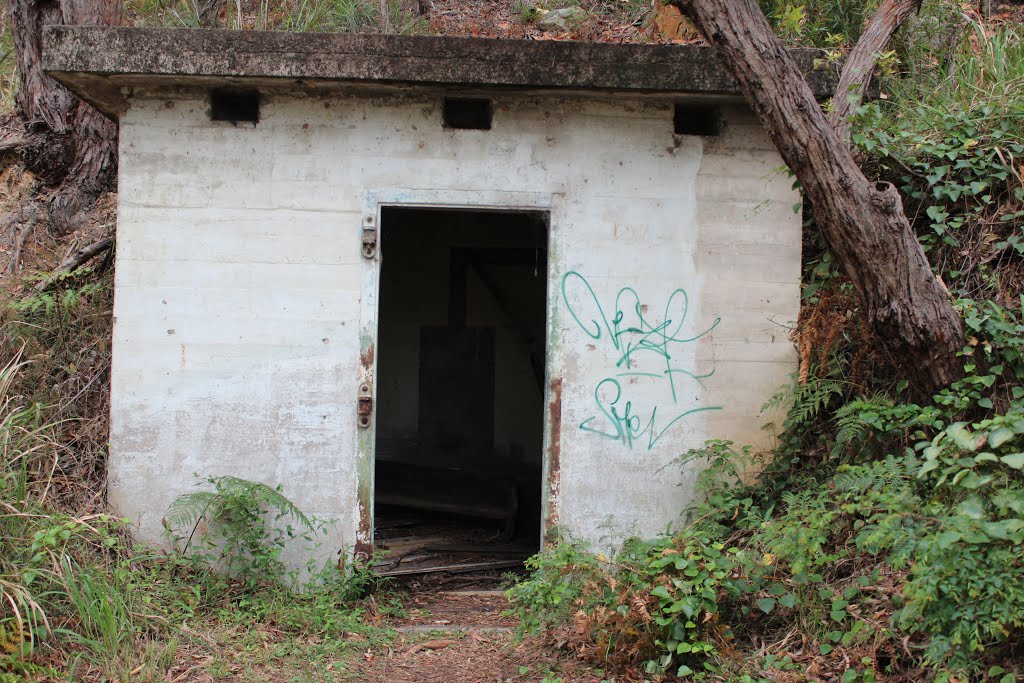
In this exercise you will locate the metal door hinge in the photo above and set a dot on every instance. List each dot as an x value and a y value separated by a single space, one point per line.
369 237
364 407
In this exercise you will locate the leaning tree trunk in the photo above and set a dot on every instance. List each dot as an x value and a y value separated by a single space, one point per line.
69 146
863 222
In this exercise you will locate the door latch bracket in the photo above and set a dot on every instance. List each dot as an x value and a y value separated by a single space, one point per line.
369 237
364 406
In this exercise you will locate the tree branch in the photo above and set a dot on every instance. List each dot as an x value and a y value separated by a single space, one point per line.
860 63
80 258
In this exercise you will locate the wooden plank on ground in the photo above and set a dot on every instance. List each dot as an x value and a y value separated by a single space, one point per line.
453 568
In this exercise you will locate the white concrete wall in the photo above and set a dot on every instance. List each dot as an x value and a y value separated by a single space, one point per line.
239 276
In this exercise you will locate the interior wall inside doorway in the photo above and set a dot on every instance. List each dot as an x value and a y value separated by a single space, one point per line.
461 341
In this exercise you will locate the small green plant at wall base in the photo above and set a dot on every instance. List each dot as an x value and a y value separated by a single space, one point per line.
241 528
559 577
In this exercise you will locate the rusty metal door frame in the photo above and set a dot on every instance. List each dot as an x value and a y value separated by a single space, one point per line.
373 247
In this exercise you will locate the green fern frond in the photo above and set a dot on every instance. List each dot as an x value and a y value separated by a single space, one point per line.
268 498
188 508
229 494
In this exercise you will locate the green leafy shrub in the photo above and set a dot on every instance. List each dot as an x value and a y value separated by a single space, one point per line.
966 591
655 604
558 579
818 23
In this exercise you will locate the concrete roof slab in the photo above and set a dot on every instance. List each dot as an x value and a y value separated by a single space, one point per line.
95 62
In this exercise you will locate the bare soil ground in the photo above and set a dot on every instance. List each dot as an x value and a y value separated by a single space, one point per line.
505 19
441 637
473 643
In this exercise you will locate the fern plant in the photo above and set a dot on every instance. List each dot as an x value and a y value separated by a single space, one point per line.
240 527
806 401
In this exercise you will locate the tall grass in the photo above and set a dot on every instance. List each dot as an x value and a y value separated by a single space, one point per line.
104 620
22 440
23 617
981 77
59 577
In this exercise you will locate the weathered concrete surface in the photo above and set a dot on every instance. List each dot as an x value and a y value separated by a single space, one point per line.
243 300
95 62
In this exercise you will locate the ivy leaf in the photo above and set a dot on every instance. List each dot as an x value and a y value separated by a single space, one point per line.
1004 530
1014 460
963 438
661 592
972 507
1014 500
937 213
766 605
976 535
972 480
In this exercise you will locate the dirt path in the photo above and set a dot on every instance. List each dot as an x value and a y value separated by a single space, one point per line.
462 637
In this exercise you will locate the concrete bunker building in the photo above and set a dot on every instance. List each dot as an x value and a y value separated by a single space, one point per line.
509 280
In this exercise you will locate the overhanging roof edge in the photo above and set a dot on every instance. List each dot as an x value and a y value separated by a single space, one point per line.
90 60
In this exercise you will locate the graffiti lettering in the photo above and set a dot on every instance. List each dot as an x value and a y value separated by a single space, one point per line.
635 339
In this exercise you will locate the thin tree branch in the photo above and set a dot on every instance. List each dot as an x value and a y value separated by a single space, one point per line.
81 257
860 63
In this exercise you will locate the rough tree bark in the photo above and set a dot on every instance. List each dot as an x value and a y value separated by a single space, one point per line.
863 222
69 146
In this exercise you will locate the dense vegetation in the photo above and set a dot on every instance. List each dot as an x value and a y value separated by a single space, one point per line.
882 537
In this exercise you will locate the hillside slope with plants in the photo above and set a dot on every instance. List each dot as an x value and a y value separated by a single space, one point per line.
880 539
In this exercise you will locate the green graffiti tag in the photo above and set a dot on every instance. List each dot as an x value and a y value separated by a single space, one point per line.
634 338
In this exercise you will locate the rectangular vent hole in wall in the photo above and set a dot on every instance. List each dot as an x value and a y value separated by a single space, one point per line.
697 119
472 113
235 106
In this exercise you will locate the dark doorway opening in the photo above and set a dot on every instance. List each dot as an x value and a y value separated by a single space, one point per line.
460 388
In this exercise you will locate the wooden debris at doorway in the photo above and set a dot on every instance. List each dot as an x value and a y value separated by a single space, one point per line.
446 549
523 550
453 568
